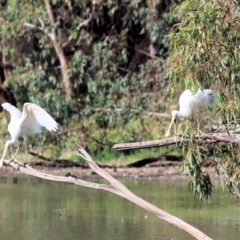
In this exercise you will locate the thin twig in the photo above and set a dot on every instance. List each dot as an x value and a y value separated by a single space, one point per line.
131 110
236 190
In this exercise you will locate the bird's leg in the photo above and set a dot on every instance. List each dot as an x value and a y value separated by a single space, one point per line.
12 158
198 122
192 118
4 153
169 128
26 154
175 128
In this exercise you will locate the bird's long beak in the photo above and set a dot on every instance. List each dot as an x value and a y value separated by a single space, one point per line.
170 126
4 153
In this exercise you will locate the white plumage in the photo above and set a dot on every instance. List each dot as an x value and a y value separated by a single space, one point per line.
26 123
189 102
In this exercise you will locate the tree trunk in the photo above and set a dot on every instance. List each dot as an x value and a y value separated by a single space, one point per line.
59 51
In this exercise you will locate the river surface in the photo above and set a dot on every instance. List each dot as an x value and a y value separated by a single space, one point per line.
35 209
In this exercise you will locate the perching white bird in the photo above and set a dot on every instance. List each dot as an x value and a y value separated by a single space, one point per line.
189 102
26 123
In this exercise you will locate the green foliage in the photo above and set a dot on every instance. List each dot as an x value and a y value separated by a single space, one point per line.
205 45
205 53
117 60
192 165
115 52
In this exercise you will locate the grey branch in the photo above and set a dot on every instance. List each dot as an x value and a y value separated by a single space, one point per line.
30 25
208 137
124 192
41 22
146 144
85 23
115 187
131 110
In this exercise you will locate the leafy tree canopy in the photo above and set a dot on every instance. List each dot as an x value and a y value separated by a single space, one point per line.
83 59
205 53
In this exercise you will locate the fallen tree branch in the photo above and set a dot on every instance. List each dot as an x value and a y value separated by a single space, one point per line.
208 137
130 110
28 170
145 144
124 192
115 187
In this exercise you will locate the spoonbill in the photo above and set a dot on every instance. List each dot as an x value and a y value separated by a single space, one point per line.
26 123
189 102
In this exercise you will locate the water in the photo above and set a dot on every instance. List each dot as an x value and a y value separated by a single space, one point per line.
35 209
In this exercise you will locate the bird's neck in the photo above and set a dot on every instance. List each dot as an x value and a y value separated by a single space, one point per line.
14 111
13 120
16 114
184 113
10 142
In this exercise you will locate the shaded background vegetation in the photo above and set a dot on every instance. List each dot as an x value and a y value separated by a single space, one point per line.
114 54
205 52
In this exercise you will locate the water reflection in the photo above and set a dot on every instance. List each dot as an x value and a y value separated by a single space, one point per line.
32 208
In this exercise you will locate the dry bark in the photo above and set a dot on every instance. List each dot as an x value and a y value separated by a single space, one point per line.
207 137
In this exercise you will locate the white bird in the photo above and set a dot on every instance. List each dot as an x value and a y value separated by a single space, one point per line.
26 123
189 102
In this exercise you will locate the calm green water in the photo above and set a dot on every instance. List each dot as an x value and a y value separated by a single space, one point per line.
35 209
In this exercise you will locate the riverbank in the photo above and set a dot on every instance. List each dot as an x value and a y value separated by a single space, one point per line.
171 173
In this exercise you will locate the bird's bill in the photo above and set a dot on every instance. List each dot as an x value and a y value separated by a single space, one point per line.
170 126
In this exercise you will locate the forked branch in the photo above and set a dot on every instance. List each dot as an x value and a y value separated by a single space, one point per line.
126 193
115 187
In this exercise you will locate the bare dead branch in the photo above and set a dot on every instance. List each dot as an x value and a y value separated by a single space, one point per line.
85 23
114 186
26 169
30 25
208 137
131 110
146 144
127 194
41 22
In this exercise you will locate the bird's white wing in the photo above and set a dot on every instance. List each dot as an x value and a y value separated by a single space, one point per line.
205 97
33 117
15 112
184 97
